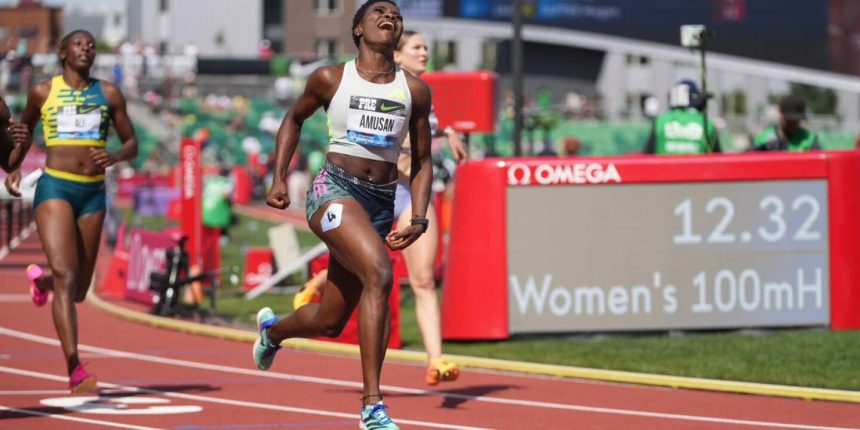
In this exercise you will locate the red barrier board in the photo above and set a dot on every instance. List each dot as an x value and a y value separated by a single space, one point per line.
653 243
146 254
258 266
464 100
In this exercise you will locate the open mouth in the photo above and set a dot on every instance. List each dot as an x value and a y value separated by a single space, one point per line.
386 25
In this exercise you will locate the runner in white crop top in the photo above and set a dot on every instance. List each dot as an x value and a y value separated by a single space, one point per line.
369 120
372 106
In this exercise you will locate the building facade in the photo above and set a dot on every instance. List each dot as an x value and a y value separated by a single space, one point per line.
208 28
319 28
30 30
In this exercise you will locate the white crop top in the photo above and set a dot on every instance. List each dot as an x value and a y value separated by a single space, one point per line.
369 120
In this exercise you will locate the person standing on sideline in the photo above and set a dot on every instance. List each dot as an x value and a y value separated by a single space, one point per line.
12 136
789 134
412 55
76 111
681 130
371 105
218 203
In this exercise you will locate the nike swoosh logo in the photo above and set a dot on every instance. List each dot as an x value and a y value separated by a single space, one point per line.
386 108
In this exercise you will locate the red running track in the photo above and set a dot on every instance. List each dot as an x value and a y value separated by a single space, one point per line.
158 379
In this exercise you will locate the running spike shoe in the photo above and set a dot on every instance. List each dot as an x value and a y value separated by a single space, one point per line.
375 417
264 350
441 370
38 296
80 381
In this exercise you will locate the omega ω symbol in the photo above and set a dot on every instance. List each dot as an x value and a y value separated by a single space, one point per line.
746 236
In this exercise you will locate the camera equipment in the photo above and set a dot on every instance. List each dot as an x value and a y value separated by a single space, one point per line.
694 35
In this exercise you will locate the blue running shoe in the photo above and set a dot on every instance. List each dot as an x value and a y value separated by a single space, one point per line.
264 350
375 417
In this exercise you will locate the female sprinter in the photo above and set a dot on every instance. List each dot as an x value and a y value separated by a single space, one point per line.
76 111
412 56
372 105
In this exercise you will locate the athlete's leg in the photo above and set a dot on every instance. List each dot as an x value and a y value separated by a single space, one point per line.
356 245
420 260
341 294
89 237
57 232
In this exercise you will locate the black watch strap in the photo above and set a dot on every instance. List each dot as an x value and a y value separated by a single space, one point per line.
423 222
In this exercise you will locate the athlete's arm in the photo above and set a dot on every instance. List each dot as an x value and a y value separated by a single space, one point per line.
318 93
421 174
29 119
122 123
421 170
458 148
6 144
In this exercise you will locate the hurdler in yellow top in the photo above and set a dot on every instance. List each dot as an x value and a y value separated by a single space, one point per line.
75 117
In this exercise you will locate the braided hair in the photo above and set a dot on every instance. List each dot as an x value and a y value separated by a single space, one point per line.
359 14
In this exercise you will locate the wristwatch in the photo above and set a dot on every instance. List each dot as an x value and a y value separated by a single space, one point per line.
423 222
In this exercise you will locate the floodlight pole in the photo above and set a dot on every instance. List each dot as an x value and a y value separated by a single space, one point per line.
517 72
709 147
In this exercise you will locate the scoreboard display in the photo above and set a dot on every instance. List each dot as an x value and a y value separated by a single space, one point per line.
667 256
653 243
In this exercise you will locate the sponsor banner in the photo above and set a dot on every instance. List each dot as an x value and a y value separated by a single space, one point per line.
258 267
147 254
191 184
569 173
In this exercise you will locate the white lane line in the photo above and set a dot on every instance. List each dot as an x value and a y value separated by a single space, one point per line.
412 391
32 392
14 298
256 405
75 419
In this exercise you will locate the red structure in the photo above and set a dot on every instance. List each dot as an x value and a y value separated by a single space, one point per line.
476 115
478 283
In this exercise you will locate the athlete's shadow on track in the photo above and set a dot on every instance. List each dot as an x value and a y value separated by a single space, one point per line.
33 412
156 389
453 398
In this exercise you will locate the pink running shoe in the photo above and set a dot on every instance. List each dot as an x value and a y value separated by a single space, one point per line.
80 381
39 297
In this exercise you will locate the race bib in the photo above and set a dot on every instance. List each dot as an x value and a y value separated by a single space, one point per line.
375 122
79 122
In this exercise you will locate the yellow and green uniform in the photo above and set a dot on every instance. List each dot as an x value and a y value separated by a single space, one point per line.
72 117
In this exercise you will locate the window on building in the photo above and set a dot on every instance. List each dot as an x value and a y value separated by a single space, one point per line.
328 7
326 47
28 32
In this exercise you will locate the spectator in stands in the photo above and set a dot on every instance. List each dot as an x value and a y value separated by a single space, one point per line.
789 134
571 147
681 130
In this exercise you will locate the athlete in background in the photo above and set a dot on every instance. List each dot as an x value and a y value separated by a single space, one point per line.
76 111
